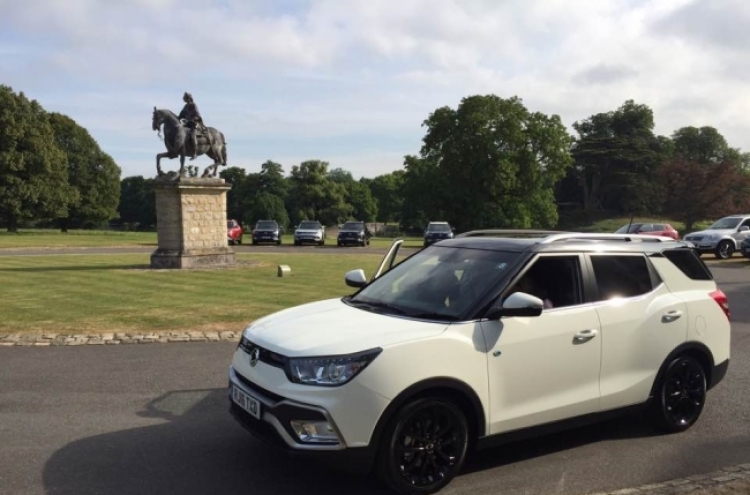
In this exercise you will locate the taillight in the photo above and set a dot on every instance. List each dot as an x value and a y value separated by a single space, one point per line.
721 300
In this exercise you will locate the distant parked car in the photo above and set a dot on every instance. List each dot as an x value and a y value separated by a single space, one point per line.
310 231
660 229
353 233
437 231
266 231
234 232
722 238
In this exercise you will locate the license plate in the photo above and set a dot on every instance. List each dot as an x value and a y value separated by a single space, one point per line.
249 404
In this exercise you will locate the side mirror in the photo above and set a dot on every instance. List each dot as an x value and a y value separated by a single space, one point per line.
744 228
355 278
517 304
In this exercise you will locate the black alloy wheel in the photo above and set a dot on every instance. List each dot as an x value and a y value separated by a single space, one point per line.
424 446
681 395
725 250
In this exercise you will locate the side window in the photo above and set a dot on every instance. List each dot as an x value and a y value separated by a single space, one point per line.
556 280
621 276
646 227
689 263
746 223
660 228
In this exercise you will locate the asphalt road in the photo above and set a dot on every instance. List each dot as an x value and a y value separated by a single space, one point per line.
146 419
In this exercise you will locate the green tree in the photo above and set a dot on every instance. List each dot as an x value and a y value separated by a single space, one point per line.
423 193
137 203
235 177
497 163
93 173
387 190
704 145
314 195
616 156
272 179
33 170
358 195
268 206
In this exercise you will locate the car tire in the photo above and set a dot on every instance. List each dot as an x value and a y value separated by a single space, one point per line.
725 250
430 435
296 243
255 243
278 243
239 241
339 244
322 243
680 395
230 242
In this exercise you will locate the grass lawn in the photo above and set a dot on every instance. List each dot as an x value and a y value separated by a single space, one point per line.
43 238
118 293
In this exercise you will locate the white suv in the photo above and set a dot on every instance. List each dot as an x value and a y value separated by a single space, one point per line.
481 340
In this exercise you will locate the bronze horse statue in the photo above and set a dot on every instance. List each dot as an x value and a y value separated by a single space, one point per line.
210 143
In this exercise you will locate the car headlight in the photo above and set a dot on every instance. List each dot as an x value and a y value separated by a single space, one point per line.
329 371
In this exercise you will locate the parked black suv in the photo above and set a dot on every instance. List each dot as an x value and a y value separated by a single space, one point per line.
437 231
266 231
353 233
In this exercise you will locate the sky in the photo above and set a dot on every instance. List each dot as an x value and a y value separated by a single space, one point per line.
351 81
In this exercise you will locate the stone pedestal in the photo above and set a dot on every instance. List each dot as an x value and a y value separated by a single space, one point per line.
191 221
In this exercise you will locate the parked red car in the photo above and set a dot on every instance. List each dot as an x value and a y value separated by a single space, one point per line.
234 232
661 229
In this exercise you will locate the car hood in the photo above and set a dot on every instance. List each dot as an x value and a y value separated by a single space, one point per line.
712 232
332 327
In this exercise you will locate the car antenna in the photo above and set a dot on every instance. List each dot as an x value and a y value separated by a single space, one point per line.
631 222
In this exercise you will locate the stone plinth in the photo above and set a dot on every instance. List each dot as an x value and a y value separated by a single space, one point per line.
191 221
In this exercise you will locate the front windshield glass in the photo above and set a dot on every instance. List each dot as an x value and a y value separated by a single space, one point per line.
726 223
309 225
631 230
230 224
352 226
437 283
266 226
440 227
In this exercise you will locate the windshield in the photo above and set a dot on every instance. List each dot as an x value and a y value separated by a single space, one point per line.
267 226
230 224
726 223
438 283
352 226
440 227
633 229
309 226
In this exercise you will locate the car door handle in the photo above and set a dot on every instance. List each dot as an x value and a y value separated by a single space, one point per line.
585 335
671 316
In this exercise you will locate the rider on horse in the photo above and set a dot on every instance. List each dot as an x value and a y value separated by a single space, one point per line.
193 118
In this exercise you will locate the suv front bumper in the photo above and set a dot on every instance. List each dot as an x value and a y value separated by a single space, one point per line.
274 427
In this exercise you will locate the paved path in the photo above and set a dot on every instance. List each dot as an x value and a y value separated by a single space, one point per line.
152 418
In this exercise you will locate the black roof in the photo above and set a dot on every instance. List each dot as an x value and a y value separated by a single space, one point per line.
567 242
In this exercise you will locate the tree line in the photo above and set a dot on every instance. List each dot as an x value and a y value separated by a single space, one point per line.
488 163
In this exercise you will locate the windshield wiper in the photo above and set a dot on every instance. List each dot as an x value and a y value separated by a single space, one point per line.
434 316
378 305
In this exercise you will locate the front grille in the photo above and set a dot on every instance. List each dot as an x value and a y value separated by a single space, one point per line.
269 357
258 389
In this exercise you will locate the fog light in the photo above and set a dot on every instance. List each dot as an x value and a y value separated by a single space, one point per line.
315 431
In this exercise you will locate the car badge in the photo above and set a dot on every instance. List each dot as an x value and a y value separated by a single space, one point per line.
254 356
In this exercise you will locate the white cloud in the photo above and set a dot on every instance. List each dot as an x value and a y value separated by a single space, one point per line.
286 73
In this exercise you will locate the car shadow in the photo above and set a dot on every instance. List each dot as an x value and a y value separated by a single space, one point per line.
195 447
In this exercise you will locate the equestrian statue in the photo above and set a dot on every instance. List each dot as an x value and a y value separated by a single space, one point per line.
186 135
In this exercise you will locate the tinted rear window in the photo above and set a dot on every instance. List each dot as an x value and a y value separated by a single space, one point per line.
688 263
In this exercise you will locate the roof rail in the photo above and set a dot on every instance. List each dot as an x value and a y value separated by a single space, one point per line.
508 233
573 236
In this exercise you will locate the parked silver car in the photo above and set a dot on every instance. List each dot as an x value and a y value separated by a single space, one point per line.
310 231
722 238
